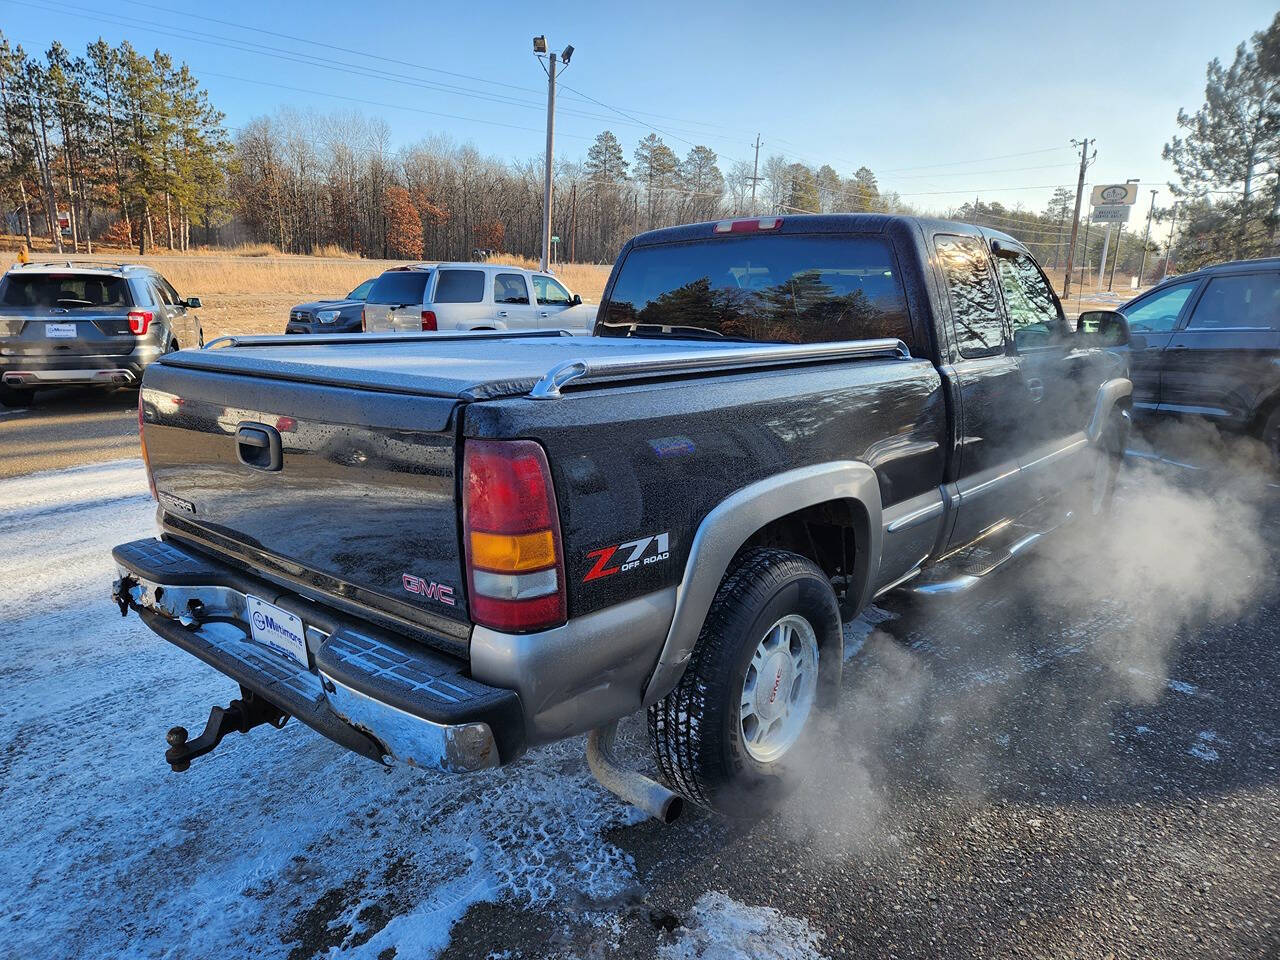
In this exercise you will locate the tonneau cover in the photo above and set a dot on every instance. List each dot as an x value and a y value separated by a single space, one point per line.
466 368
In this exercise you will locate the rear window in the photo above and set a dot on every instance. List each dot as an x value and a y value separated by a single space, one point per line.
69 291
399 287
787 288
460 286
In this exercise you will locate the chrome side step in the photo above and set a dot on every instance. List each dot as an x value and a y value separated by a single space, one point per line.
964 569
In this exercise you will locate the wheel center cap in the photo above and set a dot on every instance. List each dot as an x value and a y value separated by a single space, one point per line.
774 693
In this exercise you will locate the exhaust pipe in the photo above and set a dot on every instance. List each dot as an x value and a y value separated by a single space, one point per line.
631 786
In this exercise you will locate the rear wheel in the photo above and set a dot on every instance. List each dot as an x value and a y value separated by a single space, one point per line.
735 733
1271 437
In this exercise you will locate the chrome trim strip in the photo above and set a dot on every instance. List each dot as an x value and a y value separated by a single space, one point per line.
916 517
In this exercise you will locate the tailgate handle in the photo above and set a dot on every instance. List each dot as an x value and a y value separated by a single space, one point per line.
258 446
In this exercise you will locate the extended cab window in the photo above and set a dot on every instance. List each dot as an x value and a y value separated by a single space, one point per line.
68 291
460 286
975 308
399 288
795 288
1033 311
510 288
1251 301
549 292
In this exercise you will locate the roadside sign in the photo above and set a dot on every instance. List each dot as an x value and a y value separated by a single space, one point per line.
555 239
1111 213
1114 193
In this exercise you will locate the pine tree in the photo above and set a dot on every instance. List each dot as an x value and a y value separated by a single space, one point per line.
1232 143
655 166
803 195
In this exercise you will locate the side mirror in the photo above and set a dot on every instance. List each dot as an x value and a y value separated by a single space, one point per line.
576 301
1106 328
193 303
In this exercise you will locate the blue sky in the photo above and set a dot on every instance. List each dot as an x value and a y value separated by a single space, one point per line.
943 101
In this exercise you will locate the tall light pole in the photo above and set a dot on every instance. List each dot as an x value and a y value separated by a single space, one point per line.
540 49
1146 238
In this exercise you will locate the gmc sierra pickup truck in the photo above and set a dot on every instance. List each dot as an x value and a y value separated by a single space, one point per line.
445 549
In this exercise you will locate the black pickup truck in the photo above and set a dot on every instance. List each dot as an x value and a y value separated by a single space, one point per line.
447 549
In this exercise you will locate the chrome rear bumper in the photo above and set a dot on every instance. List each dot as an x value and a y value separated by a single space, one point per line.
375 694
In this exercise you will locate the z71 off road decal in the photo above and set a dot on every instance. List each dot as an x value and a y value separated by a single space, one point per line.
624 557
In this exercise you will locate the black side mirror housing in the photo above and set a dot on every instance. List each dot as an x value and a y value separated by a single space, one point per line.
192 303
576 301
1105 328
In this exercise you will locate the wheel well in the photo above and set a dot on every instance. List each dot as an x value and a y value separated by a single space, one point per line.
830 535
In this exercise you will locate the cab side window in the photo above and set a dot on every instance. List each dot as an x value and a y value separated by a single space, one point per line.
975 307
550 292
510 288
1159 312
1033 310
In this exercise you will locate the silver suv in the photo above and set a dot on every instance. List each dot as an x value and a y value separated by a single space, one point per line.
94 324
472 296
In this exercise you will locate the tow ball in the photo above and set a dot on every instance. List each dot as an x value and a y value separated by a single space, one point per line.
240 716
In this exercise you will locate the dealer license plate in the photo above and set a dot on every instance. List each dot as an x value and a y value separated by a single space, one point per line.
59 329
278 629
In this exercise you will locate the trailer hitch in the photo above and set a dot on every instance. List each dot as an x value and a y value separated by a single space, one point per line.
240 716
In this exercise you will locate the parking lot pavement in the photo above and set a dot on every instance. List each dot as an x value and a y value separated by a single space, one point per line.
64 428
1078 758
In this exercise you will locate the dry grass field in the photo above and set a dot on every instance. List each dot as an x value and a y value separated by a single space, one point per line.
250 289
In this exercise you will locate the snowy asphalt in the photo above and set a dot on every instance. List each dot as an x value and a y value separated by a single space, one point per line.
1079 758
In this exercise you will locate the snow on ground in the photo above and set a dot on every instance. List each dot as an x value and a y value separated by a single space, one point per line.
724 929
278 840
112 855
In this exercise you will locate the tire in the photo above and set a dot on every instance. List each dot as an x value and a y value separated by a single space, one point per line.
10 397
710 750
1271 438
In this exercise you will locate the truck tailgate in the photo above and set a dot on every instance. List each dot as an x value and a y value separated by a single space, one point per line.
358 508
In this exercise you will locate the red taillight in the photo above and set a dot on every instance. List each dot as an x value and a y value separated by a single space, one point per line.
748 226
363 327
286 424
139 321
428 320
142 442
511 535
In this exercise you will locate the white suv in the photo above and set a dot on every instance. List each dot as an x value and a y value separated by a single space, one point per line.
472 296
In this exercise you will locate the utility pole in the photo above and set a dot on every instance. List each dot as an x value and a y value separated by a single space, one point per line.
1146 239
755 175
1075 220
540 48
1084 254
1168 254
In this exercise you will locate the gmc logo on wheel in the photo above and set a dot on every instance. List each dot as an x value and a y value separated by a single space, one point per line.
429 589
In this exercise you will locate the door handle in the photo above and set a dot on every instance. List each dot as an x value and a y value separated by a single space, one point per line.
1035 387
502 313
544 313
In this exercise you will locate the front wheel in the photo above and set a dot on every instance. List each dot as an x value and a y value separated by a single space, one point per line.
1271 438
734 733
1108 456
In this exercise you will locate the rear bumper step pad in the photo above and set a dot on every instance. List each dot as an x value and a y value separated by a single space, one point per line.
376 694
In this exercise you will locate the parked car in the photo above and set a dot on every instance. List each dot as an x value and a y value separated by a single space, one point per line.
776 421
473 296
1207 344
330 316
65 323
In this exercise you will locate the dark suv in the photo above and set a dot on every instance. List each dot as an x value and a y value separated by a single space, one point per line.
1207 344
330 316
92 324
